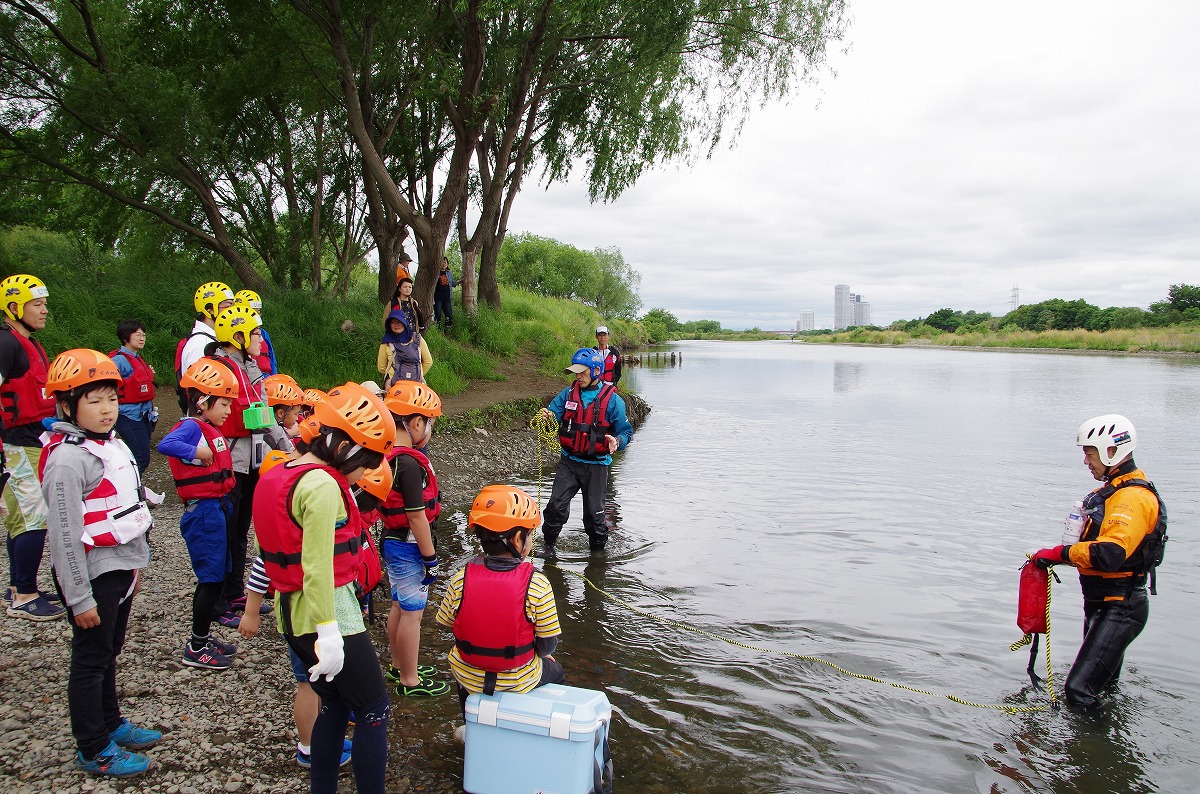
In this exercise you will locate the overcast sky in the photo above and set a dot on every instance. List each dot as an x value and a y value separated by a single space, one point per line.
963 147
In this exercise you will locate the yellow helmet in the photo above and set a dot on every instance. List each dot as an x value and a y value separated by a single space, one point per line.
209 296
248 297
21 289
237 319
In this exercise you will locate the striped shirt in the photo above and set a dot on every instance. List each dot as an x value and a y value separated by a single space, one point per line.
539 607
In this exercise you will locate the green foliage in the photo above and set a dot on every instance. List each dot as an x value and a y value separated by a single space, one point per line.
600 279
1184 297
320 340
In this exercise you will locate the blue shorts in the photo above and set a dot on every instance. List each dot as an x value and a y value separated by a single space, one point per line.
402 559
203 530
299 669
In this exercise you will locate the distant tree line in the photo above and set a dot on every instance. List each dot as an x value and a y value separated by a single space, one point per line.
1181 306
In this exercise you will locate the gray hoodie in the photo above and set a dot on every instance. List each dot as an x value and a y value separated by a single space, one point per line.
70 474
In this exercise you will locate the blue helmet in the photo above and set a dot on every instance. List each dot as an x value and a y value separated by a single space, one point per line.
587 357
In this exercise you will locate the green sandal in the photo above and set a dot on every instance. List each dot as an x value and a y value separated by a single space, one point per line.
423 671
426 688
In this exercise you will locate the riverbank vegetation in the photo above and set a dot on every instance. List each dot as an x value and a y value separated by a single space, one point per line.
1172 324
321 339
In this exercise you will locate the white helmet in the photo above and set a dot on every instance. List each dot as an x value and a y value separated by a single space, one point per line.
1108 432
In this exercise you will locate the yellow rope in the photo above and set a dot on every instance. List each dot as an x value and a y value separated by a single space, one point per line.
1049 669
803 657
545 428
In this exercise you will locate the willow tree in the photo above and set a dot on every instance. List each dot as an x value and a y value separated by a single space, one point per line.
193 118
474 96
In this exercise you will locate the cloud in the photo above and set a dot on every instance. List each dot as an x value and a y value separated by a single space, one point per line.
961 149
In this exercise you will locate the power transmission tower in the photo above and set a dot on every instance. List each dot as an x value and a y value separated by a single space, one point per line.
1014 302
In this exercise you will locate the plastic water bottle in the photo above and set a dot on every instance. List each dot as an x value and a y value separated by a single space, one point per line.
1073 525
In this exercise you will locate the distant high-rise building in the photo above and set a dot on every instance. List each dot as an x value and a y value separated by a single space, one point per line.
842 314
860 310
807 321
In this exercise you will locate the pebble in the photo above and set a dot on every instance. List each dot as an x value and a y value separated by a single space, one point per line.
230 729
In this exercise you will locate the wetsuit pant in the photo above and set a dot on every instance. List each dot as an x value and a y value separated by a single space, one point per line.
571 476
1108 628
92 684
237 538
359 687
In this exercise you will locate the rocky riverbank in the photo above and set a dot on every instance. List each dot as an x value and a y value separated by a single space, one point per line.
232 731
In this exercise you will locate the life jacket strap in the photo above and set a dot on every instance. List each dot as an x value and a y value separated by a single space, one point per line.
507 652
216 476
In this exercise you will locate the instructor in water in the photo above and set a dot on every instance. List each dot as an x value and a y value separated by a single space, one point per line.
1124 532
591 426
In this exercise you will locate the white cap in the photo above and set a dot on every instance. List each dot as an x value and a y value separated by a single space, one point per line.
602 329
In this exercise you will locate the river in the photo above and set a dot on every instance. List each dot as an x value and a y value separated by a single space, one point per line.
871 507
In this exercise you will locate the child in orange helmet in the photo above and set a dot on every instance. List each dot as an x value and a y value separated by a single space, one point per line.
202 465
98 525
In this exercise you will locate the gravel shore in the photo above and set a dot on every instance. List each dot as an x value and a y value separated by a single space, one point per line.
231 731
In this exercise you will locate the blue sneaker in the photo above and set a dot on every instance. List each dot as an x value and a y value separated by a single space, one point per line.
114 762
305 759
131 737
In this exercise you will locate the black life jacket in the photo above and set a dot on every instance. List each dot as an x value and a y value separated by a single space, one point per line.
1149 553
582 430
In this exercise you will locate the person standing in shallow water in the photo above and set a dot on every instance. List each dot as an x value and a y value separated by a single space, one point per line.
591 426
611 356
1125 525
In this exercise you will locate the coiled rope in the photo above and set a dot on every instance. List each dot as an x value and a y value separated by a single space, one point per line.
546 429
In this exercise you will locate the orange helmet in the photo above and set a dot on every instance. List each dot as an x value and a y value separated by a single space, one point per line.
362 415
408 397
282 390
285 376
79 367
310 428
211 377
377 481
499 508
271 460
313 396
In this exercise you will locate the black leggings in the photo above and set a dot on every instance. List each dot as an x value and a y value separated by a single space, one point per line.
1108 628
358 687
204 602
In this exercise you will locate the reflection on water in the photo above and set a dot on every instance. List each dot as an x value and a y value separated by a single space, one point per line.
872 507
846 375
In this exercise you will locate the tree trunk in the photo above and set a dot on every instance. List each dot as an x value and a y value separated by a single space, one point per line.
314 271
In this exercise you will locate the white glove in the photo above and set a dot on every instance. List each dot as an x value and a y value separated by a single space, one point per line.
330 653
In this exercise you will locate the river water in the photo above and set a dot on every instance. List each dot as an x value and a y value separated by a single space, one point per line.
871 507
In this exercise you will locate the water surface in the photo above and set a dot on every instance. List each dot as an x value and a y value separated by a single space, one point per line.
872 507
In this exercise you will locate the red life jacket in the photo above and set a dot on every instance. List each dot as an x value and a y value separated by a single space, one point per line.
610 364
263 359
113 513
370 568
181 344
235 425
491 629
281 538
582 430
204 482
138 387
24 399
395 517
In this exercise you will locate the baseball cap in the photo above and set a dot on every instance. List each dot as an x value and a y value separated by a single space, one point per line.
575 369
602 329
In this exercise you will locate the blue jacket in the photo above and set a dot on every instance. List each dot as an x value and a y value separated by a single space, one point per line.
442 291
615 417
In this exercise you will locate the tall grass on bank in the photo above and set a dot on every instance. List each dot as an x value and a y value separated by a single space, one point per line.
1179 338
319 339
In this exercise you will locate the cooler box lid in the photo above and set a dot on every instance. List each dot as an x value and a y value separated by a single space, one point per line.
554 710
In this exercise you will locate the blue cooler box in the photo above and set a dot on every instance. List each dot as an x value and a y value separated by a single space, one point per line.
553 740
